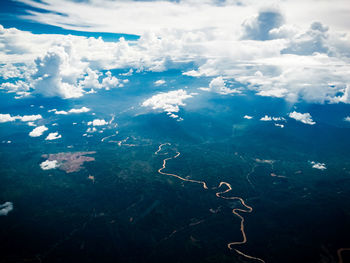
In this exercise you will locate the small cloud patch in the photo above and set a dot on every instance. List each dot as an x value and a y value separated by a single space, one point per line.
6 208
62 112
168 102
266 118
159 82
48 165
38 131
25 118
53 136
279 125
98 122
218 85
302 117
319 166
270 118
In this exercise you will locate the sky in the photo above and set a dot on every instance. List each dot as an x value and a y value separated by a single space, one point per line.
295 50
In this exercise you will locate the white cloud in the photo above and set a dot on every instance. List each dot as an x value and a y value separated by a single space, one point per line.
6 118
248 117
53 136
98 122
218 85
29 117
345 97
48 165
30 123
270 118
9 71
91 80
91 129
129 73
110 81
20 87
266 118
278 93
137 17
56 65
80 110
278 119
62 112
302 117
58 72
159 82
313 40
6 208
347 118
259 27
25 118
38 131
320 166
169 102
280 52
279 125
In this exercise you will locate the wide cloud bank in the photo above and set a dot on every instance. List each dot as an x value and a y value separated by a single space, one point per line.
280 51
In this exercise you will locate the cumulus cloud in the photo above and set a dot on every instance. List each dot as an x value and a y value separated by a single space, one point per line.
276 56
137 17
313 40
276 92
29 117
64 66
25 118
53 136
57 74
259 27
218 85
110 81
91 80
80 110
20 87
320 166
6 118
266 118
30 123
302 117
62 112
6 208
344 97
98 122
248 117
38 131
347 118
270 118
169 102
48 165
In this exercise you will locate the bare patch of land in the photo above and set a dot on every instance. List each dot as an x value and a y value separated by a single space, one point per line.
70 161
